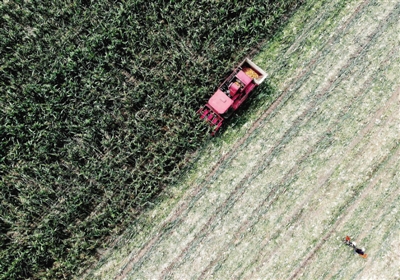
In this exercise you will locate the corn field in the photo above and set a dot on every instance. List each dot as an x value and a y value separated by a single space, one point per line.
97 105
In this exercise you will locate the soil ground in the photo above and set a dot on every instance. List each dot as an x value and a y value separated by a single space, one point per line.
273 198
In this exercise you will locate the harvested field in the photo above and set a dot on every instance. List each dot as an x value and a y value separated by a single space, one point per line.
274 198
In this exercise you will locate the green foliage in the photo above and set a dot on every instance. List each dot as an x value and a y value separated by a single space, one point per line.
97 105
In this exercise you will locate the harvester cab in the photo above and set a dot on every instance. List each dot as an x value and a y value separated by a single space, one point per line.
231 93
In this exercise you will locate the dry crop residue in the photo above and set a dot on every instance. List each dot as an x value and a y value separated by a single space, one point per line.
318 164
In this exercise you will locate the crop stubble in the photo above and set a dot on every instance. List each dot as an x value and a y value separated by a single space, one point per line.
301 174
391 57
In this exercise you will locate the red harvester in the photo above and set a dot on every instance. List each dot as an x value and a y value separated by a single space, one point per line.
232 93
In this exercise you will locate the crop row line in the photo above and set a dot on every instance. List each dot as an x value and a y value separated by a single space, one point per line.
349 206
235 194
183 206
333 127
257 214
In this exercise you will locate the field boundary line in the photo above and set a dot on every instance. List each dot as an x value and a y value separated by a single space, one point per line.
132 259
345 110
326 89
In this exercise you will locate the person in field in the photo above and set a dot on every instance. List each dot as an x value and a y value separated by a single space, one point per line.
359 251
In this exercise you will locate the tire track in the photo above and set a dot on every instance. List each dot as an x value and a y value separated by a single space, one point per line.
350 208
309 68
288 177
392 99
139 256
390 160
295 127
356 140
379 216
393 230
328 14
